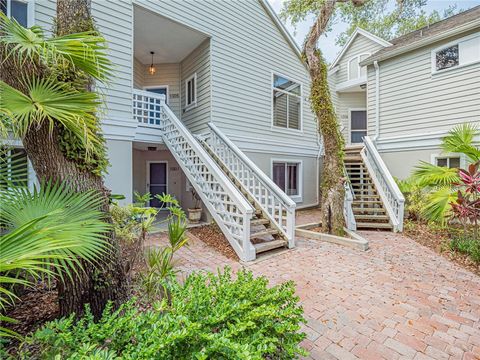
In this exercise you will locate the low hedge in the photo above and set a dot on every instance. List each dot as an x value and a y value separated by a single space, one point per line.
209 317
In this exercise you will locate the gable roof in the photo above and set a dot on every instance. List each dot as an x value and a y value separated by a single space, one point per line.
268 8
453 25
359 31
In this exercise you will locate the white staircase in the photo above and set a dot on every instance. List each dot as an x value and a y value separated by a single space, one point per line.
374 199
253 219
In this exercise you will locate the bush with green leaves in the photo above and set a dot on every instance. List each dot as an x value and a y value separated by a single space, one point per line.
209 317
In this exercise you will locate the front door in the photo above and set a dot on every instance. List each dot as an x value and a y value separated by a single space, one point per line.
358 126
157 181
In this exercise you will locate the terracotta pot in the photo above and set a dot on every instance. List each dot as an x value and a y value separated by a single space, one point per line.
194 215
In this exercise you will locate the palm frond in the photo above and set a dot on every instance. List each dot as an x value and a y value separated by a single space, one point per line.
460 140
50 100
432 175
13 167
438 205
86 51
48 231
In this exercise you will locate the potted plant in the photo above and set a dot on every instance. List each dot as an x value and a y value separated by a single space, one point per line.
195 213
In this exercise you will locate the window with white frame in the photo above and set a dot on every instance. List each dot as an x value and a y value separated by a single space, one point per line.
355 71
287 176
191 91
287 103
461 52
448 161
18 9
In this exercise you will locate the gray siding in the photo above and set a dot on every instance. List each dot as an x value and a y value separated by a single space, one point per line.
115 23
246 47
413 100
360 45
45 11
166 74
347 102
198 62
138 74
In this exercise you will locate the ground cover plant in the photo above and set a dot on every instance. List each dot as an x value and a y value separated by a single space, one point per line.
210 316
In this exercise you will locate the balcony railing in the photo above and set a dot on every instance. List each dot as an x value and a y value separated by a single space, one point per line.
146 107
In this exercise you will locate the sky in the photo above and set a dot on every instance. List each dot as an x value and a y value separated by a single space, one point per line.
327 43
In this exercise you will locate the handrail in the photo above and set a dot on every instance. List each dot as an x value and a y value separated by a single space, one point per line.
273 201
224 201
387 187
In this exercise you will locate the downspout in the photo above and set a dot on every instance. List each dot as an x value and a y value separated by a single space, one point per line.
377 101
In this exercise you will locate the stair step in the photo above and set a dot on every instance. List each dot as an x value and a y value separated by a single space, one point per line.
374 225
366 209
372 217
353 159
269 245
263 233
261 221
366 202
368 196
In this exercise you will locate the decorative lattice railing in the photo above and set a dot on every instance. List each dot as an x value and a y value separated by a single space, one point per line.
277 205
226 204
387 188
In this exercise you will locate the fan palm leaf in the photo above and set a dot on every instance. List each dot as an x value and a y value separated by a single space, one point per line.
427 174
438 203
50 100
460 140
86 51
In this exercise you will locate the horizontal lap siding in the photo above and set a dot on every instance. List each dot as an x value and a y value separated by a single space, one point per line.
348 101
360 45
413 100
114 21
246 47
197 118
166 74
45 11
138 74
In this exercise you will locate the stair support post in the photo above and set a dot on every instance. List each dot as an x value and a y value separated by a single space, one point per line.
291 227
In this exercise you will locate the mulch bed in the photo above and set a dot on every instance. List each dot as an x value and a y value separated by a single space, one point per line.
438 240
213 237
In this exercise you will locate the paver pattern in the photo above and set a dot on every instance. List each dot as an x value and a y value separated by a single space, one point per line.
399 300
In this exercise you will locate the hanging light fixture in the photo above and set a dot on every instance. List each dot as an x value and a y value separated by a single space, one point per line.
152 69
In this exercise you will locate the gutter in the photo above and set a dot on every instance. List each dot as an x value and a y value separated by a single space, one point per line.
377 101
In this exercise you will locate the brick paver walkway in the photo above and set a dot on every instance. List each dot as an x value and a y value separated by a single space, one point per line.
398 300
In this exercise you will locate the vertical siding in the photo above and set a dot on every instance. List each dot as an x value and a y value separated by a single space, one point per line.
413 100
360 45
115 23
197 118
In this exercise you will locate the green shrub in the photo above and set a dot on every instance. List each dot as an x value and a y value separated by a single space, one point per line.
210 317
468 246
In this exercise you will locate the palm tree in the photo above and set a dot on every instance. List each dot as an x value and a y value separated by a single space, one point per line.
44 231
47 102
440 181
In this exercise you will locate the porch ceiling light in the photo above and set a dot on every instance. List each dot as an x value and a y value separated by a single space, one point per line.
151 69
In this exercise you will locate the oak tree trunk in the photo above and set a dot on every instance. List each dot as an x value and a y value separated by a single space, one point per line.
106 281
332 185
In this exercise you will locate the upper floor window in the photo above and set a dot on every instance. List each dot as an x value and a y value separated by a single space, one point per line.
355 71
17 9
462 52
287 103
191 91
